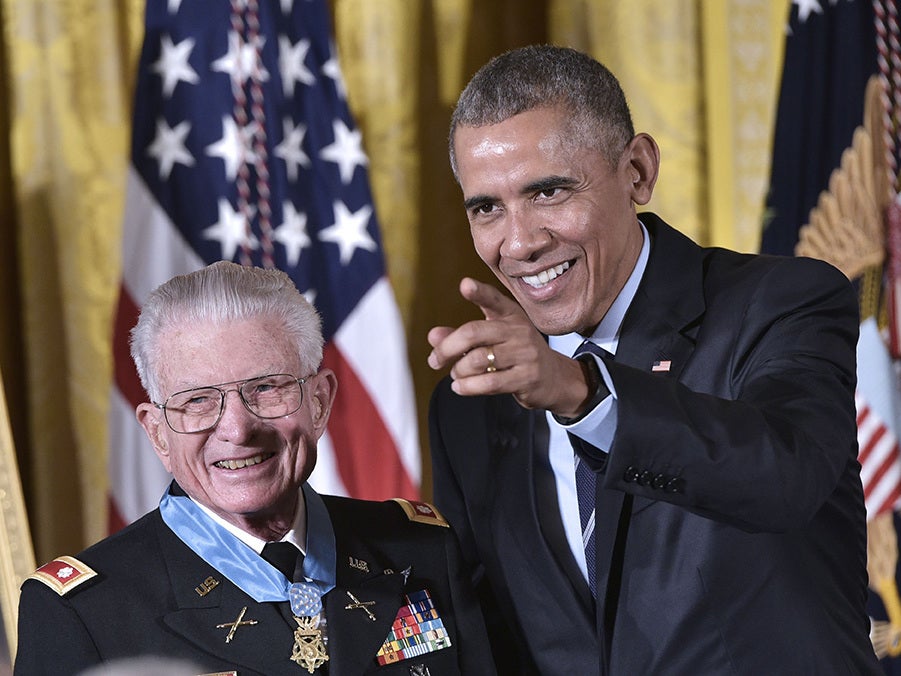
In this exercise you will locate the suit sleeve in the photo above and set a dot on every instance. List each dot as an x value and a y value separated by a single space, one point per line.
759 431
474 649
509 657
52 638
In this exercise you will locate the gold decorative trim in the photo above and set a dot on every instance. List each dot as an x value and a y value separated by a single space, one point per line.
63 574
422 512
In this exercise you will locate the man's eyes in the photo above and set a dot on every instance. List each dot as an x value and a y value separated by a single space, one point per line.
483 209
549 193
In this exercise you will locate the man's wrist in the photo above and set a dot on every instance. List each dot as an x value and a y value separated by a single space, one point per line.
597 389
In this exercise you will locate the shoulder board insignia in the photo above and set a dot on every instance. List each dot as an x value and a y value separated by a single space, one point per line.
63 574
422 512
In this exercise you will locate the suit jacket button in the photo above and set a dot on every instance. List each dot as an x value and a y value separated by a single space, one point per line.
660 481
646 478
675 485
630 475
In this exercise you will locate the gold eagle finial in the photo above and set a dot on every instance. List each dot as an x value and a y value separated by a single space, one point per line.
846 225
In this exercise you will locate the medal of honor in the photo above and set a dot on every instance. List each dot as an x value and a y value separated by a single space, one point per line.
309 646
309 649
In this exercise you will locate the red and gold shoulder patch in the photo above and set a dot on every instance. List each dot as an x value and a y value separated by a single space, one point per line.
422 512
63 574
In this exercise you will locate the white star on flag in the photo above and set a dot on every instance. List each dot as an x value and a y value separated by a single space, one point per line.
292 233
346 151
291 64
290 148
234 147
349 231
242 59
168 146
173 64
231 230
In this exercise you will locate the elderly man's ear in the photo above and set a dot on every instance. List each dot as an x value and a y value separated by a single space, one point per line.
322 389
153 422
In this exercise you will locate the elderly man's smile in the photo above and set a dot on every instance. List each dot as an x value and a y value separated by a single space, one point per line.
243 462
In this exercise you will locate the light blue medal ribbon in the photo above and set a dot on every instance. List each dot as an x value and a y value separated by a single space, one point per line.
247 569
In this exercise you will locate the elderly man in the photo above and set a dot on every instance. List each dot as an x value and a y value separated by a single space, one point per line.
243 568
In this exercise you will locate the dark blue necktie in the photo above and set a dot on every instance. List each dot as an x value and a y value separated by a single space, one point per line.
585 487
585 484
283 555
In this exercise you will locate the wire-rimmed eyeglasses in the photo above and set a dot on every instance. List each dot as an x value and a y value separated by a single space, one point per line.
200 408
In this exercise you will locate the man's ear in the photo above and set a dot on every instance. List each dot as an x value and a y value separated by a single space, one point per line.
323 387
153 421
641 163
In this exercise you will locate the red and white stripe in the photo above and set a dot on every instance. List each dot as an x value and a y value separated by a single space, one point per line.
880 461
878 402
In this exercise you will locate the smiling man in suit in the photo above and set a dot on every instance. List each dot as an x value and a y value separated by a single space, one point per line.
244 568
650 454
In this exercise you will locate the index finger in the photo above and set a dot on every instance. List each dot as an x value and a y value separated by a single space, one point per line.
491 302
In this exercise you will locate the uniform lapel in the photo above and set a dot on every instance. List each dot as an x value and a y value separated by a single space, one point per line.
204 599
354 637
264 646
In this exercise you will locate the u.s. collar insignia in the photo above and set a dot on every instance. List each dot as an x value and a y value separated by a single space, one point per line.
63 574
359 564
422 512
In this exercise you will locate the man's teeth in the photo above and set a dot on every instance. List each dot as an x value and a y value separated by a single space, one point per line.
238 464
545 276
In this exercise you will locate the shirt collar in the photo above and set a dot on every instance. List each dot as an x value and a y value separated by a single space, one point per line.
295 535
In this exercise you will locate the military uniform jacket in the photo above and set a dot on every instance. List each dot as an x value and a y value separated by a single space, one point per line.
153 595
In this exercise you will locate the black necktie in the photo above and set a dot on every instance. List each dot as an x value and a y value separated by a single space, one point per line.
284 556
585 485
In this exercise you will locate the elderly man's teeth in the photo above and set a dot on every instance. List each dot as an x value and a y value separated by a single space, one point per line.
545 276
239 464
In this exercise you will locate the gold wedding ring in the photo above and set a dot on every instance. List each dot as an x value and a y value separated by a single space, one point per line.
491 368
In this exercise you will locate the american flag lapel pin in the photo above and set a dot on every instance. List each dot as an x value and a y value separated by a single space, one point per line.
661 366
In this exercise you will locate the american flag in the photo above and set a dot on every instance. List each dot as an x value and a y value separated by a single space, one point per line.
830 53
243 148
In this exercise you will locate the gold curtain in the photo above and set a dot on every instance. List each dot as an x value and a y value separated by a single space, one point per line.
701 77
70 67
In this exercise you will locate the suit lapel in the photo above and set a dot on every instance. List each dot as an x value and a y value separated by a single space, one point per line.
524 509
547 508
659 330
661 323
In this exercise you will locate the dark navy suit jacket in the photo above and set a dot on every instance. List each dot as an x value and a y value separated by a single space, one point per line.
730 517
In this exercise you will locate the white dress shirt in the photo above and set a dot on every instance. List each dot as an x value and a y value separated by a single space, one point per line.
599 425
